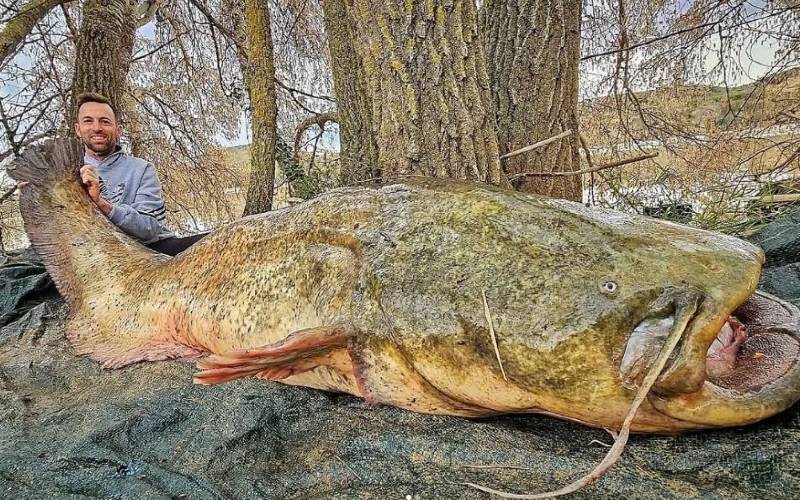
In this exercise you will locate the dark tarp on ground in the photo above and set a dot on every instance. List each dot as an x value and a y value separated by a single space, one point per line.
24 284
69 429
780 240
781 243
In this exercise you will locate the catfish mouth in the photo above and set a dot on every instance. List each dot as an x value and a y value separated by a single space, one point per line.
756 346
746 370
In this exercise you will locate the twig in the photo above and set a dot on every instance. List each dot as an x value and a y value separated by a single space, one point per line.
293 90
590 162
491 332
314 150
789 115
618 163
536 145
597 441
137 58
348 467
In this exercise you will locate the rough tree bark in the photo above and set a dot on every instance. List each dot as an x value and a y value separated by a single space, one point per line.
20 26
427 87
103 52
358 152
260 81
532 50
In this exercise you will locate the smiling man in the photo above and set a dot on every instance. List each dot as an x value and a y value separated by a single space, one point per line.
125 188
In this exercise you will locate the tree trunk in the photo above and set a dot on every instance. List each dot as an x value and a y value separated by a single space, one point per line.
103 52
427 87
532 50
260 82
20 26
359 152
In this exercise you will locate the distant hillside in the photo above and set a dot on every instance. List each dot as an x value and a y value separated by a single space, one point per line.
696 108
239 157
240 160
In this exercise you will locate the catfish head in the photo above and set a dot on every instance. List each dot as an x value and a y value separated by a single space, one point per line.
557 309
737 360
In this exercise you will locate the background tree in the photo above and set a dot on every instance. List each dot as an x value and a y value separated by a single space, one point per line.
260 77
533 54
22 23
427 87
103 52
358 152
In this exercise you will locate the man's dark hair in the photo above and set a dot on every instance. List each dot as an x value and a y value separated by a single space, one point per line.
92 97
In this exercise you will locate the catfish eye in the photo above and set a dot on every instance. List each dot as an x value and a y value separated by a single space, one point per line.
609 287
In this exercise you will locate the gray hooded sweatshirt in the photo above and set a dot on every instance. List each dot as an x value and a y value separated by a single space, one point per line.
131 185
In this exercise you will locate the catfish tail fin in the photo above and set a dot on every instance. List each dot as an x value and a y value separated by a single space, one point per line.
76 242
42 165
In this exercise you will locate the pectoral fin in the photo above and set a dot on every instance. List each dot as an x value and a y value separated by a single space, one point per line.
299 352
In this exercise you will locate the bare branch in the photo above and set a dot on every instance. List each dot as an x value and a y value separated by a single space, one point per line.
293 90
320 120
590 162
158 48
790 115
672 34
225 31
536 145
30 140
20 26
596 168
7 194
73 29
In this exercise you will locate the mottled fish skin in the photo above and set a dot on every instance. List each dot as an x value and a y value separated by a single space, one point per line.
401 270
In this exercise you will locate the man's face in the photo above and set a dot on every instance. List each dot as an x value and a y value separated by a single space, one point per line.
97 127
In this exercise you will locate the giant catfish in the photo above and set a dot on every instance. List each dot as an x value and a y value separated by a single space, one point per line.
435 296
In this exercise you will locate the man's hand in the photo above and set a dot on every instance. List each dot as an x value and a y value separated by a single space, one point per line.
91 180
